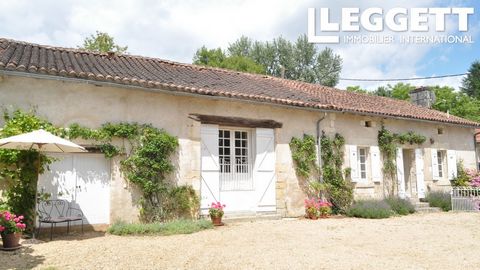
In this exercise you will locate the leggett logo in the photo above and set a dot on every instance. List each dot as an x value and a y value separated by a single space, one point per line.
413 20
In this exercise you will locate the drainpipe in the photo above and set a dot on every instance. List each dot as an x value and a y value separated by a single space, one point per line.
319 146
475 147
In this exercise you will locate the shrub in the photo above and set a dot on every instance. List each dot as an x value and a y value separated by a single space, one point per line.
400 206
183 202
181 226
370 209
440 199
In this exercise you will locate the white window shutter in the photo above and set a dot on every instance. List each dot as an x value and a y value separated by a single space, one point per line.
400 173
210 168
264 169
375 162
353 154
419 167
451 164
435 172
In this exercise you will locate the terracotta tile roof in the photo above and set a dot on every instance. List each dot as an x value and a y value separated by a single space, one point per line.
160 74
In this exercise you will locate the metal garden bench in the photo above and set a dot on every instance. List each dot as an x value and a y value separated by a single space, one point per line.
58 211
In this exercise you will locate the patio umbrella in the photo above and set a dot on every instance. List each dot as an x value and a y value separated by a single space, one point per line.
41 141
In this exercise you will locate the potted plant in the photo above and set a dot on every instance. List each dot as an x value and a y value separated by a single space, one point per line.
325 208
216 213
312 208
11 227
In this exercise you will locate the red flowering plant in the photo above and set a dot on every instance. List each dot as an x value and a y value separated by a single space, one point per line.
11 223
317 207
325 208
216 209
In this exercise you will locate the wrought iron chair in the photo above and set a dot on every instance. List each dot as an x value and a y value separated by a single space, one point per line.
57 211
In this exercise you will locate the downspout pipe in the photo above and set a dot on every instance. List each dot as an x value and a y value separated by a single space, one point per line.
319 151
475 147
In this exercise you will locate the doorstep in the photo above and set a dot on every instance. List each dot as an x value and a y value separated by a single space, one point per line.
250 216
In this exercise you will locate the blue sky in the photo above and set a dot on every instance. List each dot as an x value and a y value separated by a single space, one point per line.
173 30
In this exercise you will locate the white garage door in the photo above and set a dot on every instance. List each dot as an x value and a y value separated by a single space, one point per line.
83 180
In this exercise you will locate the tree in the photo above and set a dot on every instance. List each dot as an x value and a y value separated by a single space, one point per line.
357 89
209 57
281 58
383 91
328 68
217 58
102 42
471 84
401 90
456 103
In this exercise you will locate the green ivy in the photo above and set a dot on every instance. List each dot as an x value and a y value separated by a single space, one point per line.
388 143
304 155
339 191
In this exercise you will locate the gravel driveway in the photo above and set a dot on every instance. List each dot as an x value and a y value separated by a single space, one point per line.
420 241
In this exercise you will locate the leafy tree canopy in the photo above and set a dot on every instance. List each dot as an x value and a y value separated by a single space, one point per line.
102 42
297 61
471 83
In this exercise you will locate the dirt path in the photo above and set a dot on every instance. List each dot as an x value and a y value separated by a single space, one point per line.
431 241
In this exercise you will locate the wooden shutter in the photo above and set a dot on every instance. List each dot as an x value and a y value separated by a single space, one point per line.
419 167
264 169
435 172
210 168
400 173
451 164
375 162
353 154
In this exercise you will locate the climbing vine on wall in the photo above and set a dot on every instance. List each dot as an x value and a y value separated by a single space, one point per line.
304 155
147 164
339 191
388 143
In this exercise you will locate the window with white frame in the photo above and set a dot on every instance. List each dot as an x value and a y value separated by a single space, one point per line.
440 157
235 162
362 162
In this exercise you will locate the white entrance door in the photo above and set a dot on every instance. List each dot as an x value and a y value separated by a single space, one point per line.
237 188
83 180
238 168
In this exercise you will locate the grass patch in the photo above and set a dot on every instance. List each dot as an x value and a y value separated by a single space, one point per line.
440 199
181 226
370 209
400 206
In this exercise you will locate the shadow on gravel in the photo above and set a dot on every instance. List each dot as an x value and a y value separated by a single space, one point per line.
20 259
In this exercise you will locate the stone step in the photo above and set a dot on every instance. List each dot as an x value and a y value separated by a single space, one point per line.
250 216
428 210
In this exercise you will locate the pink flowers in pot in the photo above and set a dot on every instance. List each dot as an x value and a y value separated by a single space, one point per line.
216 209
11 223
315 208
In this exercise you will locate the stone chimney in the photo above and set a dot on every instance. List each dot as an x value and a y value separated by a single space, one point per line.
422 96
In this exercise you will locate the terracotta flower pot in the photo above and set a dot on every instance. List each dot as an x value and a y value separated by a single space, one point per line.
11 240
217 221
312 216
324 216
